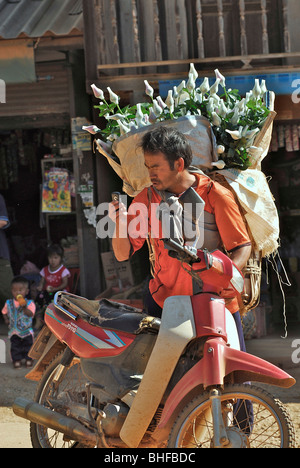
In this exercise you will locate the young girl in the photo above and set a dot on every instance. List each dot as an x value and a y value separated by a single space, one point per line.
18 314
55 276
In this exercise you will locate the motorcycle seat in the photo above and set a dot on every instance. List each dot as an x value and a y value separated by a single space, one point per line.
110 315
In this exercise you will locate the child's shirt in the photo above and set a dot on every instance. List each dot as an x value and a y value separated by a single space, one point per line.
19 323
54 278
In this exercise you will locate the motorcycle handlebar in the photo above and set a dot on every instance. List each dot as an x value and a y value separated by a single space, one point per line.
182 249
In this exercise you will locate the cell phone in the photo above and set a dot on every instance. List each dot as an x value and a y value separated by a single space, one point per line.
115 196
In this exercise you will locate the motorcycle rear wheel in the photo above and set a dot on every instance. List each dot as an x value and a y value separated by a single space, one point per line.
73 381
271 426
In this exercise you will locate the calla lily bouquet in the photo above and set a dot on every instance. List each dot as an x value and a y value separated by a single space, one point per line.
235 121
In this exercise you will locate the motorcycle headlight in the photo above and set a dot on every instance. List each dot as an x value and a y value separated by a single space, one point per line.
237 280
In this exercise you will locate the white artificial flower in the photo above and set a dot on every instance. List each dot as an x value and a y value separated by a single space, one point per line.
161 102
170 101
124 129
180 87
117 116
98 93
139 116
256 91
220 77
193 71
235 134
219 164
149 89
204 88
215 87
222 109
92 129
113 136
157 108
249 96
199 98
184 96
263 87
113 97
191 84
152 115
106 146
251 133
241 105
216 119
133 125
211 105
236 116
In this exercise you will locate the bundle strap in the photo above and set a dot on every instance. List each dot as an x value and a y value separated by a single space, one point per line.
150 242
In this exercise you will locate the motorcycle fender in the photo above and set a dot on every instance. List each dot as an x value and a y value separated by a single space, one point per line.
177 329
218 362
44 349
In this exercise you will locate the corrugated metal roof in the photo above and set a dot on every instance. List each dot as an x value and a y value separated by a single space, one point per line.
35 18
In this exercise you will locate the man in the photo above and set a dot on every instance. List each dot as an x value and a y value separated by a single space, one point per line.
168 157
6 274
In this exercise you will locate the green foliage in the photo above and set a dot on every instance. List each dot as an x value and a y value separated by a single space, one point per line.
235 121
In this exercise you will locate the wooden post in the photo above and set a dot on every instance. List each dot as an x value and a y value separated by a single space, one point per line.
244 44
157 41
200 39
286 32
222 44
264 20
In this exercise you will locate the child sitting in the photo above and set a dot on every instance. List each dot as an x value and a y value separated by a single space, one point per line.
18 314
55 276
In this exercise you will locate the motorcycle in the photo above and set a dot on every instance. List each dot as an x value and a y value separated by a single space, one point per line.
111 376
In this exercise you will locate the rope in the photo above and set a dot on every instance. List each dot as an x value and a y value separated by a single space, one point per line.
281 283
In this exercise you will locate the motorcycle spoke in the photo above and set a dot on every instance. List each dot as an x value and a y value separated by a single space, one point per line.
72 383
253 419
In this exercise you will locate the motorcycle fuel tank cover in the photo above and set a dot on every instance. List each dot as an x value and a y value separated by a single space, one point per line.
85 340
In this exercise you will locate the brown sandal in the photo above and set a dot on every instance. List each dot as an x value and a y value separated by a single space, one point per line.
28 363
17 364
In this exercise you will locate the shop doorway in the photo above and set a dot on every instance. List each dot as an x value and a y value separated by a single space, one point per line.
21 178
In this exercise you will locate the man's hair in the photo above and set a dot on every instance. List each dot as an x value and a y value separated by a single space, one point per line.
170 142
20 280
55 249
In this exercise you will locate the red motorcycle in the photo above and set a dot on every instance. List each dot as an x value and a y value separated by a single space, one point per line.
111 376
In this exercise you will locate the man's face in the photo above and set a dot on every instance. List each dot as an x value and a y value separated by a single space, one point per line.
160 173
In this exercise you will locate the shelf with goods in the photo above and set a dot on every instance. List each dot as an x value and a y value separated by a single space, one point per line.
283 168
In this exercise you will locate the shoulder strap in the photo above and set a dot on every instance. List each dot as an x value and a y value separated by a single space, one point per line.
149 240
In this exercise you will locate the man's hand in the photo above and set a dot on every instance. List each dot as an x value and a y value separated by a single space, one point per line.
120 242
117 212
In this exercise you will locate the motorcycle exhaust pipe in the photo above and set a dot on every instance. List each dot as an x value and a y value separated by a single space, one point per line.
45 417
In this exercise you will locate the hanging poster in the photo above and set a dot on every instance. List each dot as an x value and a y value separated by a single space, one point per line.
56 196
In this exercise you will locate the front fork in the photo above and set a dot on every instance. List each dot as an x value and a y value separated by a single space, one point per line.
220 439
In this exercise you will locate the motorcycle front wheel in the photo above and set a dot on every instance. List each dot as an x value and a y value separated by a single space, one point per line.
253 419
73 383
